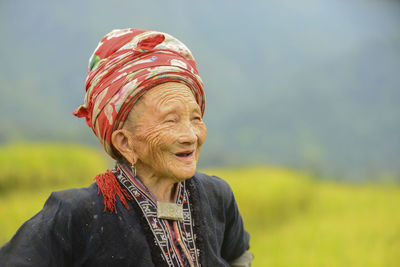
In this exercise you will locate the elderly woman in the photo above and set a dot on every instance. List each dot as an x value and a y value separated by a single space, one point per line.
145 102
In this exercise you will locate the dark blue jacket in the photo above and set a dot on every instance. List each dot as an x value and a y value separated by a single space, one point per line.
72 229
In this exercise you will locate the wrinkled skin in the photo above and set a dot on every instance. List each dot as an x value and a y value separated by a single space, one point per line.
163 136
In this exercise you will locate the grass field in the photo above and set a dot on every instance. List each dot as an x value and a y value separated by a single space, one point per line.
293 219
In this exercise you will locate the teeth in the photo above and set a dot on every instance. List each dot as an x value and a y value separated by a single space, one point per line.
184 154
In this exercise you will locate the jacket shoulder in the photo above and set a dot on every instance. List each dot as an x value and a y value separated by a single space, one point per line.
74 199
210 180
213 186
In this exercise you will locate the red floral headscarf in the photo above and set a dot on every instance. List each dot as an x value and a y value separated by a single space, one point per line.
125 64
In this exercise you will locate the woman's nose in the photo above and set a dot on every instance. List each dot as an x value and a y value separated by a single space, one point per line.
187 134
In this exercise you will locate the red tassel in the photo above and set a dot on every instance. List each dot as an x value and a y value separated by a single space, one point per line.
109 187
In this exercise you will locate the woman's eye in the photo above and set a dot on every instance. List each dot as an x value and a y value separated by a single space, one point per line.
170 119
197 118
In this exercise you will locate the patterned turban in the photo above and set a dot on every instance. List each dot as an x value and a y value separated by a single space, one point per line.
125 64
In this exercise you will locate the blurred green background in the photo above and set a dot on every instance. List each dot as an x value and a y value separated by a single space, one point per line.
310 86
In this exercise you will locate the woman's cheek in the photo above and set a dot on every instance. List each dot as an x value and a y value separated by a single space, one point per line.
160 141
149 142
201 133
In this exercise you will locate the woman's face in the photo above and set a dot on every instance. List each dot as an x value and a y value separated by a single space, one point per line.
167 132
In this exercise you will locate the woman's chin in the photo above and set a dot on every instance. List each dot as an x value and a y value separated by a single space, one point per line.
184 174
182 170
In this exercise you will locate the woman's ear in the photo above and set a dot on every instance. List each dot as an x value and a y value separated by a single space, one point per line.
122 141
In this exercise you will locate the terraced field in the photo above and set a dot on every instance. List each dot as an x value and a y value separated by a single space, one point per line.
293 219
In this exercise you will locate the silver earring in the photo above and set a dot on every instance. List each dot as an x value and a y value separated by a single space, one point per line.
133 168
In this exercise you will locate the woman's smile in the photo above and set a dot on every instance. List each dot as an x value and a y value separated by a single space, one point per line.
185 154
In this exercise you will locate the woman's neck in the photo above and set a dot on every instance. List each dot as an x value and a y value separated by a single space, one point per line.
163 188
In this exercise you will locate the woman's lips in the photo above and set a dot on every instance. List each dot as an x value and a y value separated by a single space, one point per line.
185 155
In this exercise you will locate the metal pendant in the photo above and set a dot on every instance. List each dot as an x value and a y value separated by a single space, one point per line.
170 211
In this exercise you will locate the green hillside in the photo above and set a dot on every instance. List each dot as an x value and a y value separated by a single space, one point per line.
293 219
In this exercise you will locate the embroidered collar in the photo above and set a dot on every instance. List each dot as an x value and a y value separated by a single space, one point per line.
175 238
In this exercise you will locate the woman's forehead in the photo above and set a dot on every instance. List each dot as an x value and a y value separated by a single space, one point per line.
163 99
165 95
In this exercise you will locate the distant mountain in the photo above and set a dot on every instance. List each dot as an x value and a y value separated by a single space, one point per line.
307 84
